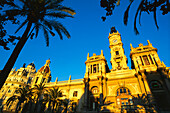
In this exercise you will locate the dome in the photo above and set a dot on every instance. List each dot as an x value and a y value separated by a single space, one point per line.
44 69
32 64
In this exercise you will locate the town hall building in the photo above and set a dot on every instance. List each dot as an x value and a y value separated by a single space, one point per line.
143 87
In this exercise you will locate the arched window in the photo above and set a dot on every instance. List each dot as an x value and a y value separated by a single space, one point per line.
94 90
124 97
155 84
123 90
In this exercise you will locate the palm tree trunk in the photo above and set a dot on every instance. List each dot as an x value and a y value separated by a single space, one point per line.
11 61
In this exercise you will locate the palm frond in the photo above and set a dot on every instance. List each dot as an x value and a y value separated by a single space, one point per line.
37 26
66 9
58 15
139 8
140 17
13 12
64 30
11 99
45 22
154 14
126 14
12 4
57 29
21 26
53 4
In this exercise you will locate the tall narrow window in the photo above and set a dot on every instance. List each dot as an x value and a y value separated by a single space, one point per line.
151 59
145 58
97 67
75 93
137 63
29 80
94 68
117 52
155 61
141 60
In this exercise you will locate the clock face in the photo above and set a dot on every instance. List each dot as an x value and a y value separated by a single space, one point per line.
114 41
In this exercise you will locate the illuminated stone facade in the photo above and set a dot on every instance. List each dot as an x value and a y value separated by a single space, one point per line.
145 85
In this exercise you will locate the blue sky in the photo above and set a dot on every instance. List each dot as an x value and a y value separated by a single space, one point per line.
89 34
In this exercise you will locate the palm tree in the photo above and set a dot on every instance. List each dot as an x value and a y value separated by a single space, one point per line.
36 13
24 95
65 103
39 90
54 100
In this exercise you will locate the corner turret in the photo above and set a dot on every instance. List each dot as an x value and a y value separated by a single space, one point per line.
44 74
95 65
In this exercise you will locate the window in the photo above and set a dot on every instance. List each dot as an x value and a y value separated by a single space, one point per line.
19 85
95 90
151 59
155 61
9 91
145 58
117 52
155 85
124 97
141 60
16 91
29 80
75 93
123 90
94 68
97 67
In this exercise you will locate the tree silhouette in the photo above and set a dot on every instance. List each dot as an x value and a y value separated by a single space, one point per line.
39 14
53 99
24 95
4 41
149 6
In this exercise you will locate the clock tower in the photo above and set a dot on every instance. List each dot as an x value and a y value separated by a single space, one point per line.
118 59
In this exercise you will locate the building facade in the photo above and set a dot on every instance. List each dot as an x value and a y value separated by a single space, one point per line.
144 87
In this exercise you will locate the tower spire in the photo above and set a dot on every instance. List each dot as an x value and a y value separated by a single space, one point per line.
102 53
118 59
88 55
